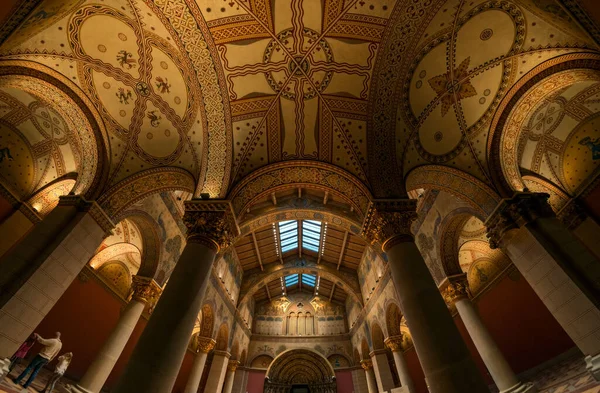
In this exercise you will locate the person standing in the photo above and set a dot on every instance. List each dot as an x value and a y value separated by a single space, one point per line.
61 366
51 348
21 352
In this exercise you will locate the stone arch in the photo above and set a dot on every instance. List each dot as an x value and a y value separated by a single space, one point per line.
339 360
222 338
137 187
234 351
473 191
300 366
503 139
294 174
243 358
151 250
450 229
47 198
117 273
261 361
377 336
281 271
68 99
393 319
207 322
356 354
364 349
113 251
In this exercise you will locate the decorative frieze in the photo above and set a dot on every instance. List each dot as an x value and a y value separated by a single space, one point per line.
513 213
388 222
211 223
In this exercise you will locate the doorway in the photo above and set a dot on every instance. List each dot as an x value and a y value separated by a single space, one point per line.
300 389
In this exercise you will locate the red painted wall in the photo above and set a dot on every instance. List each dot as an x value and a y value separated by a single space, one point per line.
416 372
85 315
256 381
344 381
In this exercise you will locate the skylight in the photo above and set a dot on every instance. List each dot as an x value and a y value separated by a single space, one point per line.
311 235
309 279
291 280
288 235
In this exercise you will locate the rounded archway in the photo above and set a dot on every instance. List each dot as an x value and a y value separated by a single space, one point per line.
300 367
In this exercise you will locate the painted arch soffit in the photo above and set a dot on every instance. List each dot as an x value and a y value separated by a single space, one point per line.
433 96
149 70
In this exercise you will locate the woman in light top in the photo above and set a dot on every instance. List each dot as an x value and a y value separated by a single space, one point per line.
61 366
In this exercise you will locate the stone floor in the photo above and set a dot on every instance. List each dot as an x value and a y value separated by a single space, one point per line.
566 376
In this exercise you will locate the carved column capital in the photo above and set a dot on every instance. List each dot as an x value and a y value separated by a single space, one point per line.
455 288
395 343
202 344
388 222
232 365
572 214
95 211
145 290
520 210
366 364
211 223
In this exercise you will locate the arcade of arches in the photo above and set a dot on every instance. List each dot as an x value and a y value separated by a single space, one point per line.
350 196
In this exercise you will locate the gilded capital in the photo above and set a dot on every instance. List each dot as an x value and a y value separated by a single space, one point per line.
145 290
521 209
388 222
233 365
367 364
394 343
211 223
202 344
455 288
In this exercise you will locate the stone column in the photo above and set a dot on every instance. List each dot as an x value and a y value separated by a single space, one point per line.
367 365
37 270
157 357
381 368
456 292
145 290
576 219
562 272
229 377
16 223
394 343
359 380
218 370
202 346
444 357
240 381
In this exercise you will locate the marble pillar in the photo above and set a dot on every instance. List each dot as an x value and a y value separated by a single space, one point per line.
218 371
394 343
230 376
563 273
444 357
456 292
367 365
202 346
37 270
157 357
381 368
145 290
240 381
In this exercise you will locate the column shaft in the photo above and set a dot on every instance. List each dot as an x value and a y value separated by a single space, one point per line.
403 372
157 357
228 385
371 382
218 370
381 367
193 382
36 271
501 372
359 380
98 372
445 359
